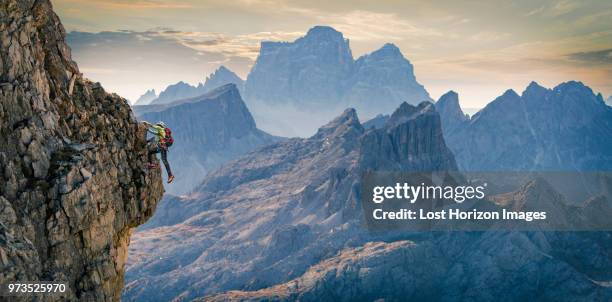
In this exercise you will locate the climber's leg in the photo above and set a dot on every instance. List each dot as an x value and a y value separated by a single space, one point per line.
164 156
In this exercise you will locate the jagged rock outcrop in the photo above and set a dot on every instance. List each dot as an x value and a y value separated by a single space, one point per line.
146 98
208 130
565 128
72 185
296 86
450 112
266 217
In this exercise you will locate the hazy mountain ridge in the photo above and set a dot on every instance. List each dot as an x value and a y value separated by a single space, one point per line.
208 130
181 90
146 98
567 127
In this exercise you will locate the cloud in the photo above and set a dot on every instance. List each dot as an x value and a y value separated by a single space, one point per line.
132 4
554 9
597 57
368 25
246 45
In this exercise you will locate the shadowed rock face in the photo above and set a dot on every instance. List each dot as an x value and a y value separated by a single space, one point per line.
565 128
71 180
208 131
266 217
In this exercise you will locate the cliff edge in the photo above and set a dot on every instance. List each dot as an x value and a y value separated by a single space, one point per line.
71 155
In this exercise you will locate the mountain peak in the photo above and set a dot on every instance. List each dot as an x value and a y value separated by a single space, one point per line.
222 68
406 112
573 86
534 90
146 98
322 30
510 93
450 110
220 77
389 50
344 123
321 34
451 96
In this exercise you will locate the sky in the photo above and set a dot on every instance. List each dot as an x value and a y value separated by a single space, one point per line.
476 48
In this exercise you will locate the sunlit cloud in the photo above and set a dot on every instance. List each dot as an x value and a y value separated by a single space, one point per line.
476 48
131 4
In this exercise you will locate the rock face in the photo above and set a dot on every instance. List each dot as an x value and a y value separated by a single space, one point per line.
317 74
182 90
451 113
382 80
455 264
72 185
565 128
146 98
480 266
208 130
264 218
308 71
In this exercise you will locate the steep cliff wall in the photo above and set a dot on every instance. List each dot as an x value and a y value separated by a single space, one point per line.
71 180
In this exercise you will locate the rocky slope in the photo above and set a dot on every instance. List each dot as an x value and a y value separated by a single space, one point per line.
296 86
478 266
506 266
182 90
146 98
266 217
72 185
564 128
208 130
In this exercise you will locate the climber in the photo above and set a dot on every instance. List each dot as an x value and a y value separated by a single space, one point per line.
159 143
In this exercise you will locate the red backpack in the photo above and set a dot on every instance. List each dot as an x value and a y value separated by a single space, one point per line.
168 140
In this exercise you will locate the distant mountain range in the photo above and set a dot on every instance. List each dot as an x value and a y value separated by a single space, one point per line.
296 86
285 223
146 98
269 215
208 130
182 90
564 128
